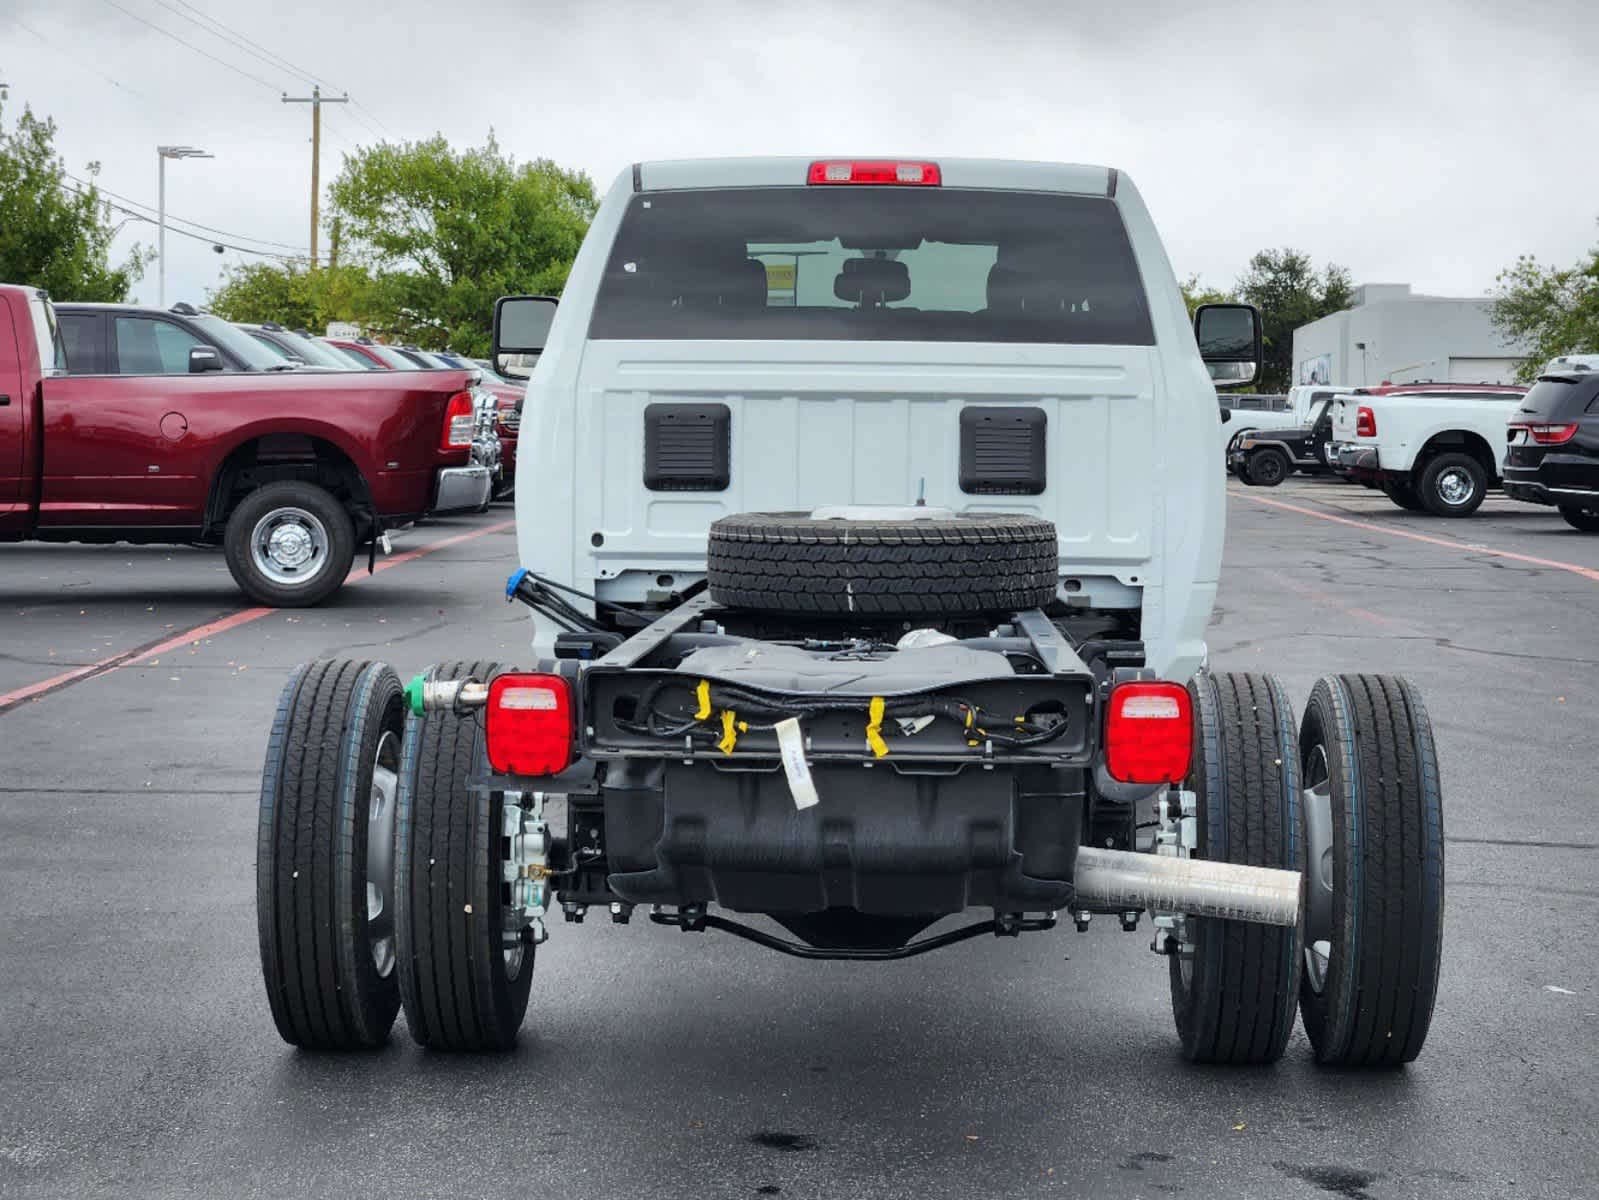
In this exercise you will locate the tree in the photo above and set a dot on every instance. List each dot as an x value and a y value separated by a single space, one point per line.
54 234
448 232
292 294
1196 293
1289 292
1548 310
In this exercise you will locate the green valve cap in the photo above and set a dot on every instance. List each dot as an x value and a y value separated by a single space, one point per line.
413 693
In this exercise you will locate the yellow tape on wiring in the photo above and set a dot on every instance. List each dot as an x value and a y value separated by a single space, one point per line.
874 727
703 692
730 727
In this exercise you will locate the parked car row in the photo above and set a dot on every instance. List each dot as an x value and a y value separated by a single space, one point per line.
127 424
1440 447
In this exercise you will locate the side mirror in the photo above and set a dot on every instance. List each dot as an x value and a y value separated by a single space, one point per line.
1226 416
204 358
1229 337
521 328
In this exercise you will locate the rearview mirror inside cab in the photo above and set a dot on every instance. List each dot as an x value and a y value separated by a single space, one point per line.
1229 337
521 327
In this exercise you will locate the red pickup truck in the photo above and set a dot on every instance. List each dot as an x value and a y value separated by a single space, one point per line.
290 472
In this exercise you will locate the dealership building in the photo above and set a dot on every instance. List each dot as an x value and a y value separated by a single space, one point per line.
1392 334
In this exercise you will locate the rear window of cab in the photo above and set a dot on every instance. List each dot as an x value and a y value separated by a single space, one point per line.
872 264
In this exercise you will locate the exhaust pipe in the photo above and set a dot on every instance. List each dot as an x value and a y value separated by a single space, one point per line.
1121 879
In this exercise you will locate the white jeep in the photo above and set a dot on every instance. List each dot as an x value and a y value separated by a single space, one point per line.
870 518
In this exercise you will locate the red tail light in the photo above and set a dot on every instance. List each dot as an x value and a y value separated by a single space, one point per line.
1149 733
1365 422
1548 435
905 174
530 723
459 420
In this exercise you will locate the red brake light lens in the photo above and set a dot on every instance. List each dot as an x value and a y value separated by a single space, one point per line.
904 174
1365 422
1149 733
531 724
1548 435
459 420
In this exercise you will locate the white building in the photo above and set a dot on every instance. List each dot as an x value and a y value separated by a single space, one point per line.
1393 335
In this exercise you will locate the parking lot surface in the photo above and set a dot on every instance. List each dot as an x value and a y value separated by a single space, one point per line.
137 1056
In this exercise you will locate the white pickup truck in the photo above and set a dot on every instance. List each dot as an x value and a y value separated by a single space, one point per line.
1431 447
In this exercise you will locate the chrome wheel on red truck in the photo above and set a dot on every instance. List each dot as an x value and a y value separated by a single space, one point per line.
289 544
324 877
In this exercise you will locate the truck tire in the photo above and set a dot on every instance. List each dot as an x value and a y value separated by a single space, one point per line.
289 544
1267 467
1585 519
1234 986
794 563
1375 897
1403 493
1452 485
324 878
461 987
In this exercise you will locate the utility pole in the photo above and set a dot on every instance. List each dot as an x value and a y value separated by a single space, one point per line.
163 153
316 100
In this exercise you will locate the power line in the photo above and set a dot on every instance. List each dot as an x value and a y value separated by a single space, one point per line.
205 22
237 70
113 82
299 251
76 56
138 216
221 29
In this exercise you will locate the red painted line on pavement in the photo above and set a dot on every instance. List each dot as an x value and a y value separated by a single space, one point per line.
1448 543
244 616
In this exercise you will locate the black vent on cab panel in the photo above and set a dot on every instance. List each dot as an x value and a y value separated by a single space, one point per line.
1002 451
686 447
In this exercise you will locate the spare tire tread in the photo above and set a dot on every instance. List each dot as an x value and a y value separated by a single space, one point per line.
790 562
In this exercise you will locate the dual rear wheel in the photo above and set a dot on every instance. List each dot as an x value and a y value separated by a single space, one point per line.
1352 799
379 871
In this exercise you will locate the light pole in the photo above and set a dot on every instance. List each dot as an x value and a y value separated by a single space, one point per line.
163 153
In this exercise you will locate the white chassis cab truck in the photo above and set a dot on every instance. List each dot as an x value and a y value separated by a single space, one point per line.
870 546
1430 447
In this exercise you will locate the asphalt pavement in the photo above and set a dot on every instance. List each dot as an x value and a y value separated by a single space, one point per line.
137 1056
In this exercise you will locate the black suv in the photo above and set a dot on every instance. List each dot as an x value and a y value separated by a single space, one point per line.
129 339
1554 448
1265 457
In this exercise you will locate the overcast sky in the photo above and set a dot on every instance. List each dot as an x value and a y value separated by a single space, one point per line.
1419 141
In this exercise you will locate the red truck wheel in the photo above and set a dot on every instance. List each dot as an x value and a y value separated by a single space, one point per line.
289 545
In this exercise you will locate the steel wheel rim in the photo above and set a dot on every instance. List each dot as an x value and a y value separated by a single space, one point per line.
380 852
511 941
289 546
1316 797
1455 486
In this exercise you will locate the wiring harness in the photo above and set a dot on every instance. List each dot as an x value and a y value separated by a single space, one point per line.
718 712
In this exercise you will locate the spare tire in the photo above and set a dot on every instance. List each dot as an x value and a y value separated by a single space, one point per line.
937 566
